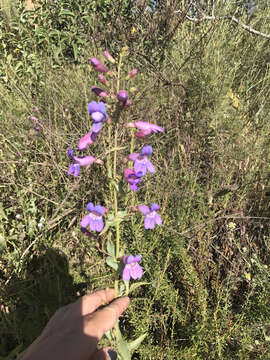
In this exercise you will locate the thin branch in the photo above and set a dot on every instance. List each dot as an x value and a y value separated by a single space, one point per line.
227 17
248 28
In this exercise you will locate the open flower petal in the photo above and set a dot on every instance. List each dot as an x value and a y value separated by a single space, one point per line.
144 209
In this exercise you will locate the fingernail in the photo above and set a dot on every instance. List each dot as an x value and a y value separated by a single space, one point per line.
112 354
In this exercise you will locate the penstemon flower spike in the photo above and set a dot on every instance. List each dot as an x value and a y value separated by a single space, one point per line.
126 267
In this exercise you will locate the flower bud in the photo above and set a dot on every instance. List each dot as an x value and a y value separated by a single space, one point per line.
99 92
122 95
98 161
124 51
109 57
131 74
98 66
35 109
102 79
133 89
125 160
127 103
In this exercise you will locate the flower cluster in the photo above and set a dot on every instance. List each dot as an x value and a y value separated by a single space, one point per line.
141 161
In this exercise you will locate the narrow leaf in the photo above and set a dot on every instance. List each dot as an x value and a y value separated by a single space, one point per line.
134 344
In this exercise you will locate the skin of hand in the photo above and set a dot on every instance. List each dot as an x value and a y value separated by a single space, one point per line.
74 330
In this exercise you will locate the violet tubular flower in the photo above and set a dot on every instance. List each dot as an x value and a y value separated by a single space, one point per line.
99 92
141 162
98 114
74 168
94 219
152 218
98 66
87 140
132 179
132 269
145 128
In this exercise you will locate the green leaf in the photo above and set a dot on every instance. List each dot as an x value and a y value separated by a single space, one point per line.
134 344
111 248
65 12
89 20
122 289
112 263
75 51
122 348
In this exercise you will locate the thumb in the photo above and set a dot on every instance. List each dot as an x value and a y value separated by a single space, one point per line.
103 320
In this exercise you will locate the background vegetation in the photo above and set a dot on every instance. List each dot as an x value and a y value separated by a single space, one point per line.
207 83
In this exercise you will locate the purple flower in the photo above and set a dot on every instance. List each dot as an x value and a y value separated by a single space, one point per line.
152 218
87 140
35 121
122 95
94 218
141 162
74 168
132 179
132 269
98 114
99 92
109 57
145 128
98 66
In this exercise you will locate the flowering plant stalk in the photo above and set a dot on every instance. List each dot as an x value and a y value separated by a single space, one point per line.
115 101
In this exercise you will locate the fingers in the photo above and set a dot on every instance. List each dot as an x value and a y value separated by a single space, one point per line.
89 303
103 320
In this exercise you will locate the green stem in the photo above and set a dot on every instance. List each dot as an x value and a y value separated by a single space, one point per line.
116 200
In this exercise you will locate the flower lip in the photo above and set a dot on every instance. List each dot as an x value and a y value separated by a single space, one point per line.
94 218
144 209
132 179
152 218
132 269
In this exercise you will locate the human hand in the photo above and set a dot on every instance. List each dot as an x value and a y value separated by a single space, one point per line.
74 330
